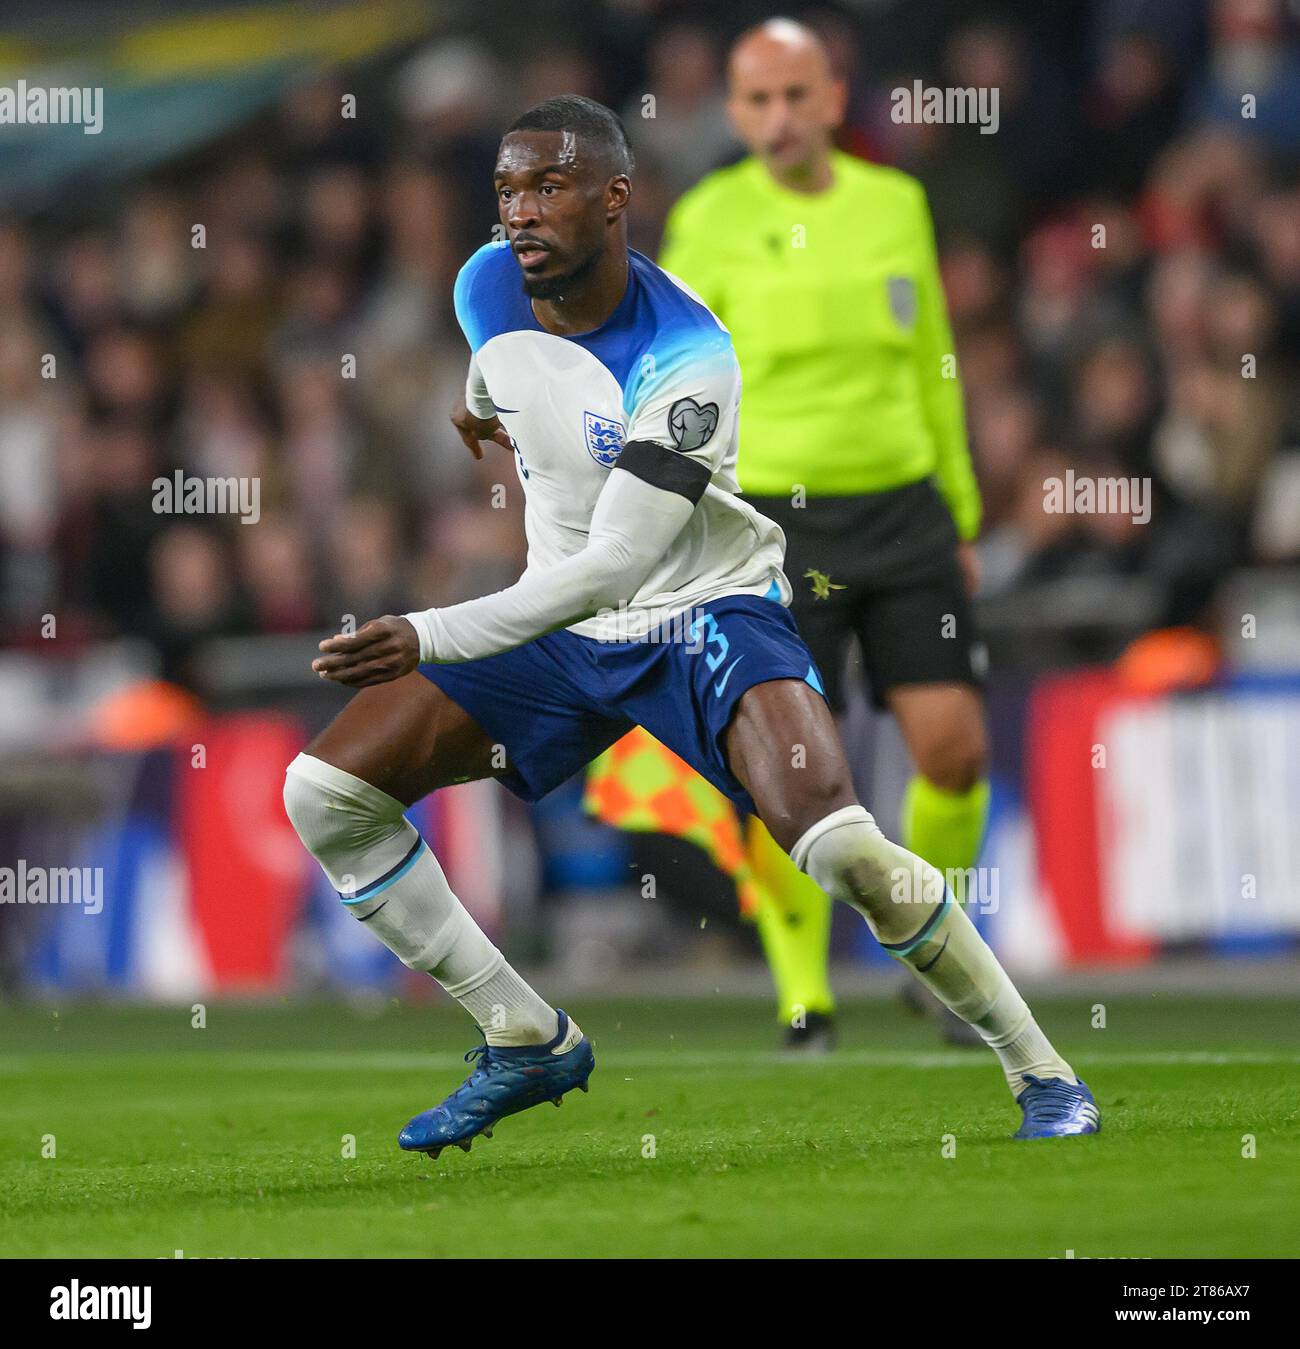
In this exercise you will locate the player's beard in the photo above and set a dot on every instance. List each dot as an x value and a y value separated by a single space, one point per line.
557 287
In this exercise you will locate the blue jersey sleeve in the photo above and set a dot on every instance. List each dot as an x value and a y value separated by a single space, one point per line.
476 286
685 393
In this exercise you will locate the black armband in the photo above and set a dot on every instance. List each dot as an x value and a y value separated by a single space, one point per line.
665 468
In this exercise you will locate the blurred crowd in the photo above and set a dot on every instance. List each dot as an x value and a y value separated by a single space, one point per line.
278 306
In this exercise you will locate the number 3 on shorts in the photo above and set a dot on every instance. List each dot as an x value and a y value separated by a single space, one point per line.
715 636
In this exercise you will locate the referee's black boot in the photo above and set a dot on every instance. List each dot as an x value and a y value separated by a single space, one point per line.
816 1035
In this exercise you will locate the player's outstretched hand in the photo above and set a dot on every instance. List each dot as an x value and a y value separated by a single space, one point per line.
474 429
383 649
970 567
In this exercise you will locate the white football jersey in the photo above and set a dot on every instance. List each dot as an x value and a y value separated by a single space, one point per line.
661 368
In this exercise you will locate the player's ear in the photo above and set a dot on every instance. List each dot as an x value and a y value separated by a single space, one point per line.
617 195
837 102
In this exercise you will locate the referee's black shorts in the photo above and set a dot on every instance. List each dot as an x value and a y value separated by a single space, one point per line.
904 595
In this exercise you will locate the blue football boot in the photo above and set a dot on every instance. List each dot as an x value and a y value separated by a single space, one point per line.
505 1080
1055 1108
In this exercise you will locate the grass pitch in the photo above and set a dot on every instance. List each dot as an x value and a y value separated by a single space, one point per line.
233 1140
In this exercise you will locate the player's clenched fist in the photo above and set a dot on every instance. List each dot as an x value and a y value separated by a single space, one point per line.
474 429
383 649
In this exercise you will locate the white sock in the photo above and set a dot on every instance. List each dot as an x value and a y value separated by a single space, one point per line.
913 915
506 1009
390 880
1011 1032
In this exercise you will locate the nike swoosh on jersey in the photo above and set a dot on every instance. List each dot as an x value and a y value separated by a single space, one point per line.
722 683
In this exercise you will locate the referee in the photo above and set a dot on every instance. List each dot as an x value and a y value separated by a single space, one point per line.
852 434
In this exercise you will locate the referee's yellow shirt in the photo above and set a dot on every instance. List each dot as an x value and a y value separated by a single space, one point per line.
838 318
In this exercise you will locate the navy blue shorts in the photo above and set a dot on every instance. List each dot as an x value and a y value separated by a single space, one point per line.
558 701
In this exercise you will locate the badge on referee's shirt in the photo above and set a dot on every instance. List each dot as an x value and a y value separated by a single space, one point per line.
902 299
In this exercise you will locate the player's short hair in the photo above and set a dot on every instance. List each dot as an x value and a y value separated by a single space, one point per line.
593 123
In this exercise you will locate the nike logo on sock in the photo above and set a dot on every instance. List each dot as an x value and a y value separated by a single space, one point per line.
573 1038
921 969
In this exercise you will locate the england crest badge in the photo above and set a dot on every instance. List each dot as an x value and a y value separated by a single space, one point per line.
604 439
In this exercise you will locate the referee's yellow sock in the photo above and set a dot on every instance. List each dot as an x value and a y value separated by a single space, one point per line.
793 916
945 828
